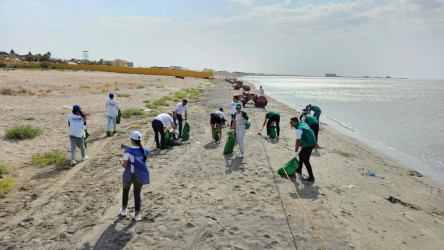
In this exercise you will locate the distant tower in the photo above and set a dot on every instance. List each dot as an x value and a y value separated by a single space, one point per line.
85 55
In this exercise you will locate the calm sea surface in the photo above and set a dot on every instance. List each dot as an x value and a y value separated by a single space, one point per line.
401 117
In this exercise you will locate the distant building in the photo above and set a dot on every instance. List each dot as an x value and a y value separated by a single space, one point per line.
176 68
330 75
122 63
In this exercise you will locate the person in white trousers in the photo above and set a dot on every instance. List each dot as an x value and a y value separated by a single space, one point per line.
239 126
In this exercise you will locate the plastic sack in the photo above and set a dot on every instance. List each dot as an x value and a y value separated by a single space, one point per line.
86 135
290 167
273 133
229 145
167 138
186 131
216 133
119 115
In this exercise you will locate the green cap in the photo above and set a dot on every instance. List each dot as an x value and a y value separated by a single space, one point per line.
238 106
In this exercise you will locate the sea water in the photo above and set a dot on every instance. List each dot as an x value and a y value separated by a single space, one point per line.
400 117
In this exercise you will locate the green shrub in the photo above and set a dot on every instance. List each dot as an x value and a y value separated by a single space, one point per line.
22 132
160 102
29 118
131 112
4 169
151 106
140 86
146 101
153 113
123 95
3 64
6 184
194 93
48 158
214 81
180 94
45 65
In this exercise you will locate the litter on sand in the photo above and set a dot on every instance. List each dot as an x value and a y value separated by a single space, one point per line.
373 174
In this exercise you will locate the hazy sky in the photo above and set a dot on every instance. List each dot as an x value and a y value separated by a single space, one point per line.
400 38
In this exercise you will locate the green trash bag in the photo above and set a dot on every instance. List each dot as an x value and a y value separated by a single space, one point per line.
273 133
290 167
119 115
229 145
167 138
216 133
84 139
186 131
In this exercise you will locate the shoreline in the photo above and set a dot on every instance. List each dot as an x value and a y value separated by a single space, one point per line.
411 162
201 199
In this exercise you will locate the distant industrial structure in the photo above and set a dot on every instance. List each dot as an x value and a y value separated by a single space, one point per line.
330 75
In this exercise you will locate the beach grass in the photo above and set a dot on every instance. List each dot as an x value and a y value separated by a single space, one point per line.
194 93
213 81
4 169
131 112
146 101
153 113
48 158
180 94
6 184
22 132
29 118
140 86
123 95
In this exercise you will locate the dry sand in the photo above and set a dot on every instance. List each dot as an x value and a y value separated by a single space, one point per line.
198 198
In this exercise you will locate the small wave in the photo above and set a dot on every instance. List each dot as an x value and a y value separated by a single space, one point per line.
342 124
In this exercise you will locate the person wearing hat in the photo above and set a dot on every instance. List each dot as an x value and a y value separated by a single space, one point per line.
158 125
239 124
272 116
316 109
77 123
305 134
180 110
136 173
233 107
313 124
217 118
111 114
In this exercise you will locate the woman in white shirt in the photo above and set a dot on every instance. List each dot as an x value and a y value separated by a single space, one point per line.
111 114
77 123
240 128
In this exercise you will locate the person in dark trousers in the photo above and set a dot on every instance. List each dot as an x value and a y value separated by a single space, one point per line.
272 116
304 133
158 125
180 110
316 110
134 174
313 123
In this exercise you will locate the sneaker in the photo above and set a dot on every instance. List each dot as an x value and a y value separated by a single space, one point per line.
73 162
85 158
122 213
317 146
108 133
213 140
240 155
114 132
136 218
309 179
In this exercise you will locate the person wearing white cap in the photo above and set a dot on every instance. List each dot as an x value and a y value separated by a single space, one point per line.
135 173
111 114
158 125
77 123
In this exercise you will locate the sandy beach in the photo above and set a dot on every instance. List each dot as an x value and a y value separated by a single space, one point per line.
198 198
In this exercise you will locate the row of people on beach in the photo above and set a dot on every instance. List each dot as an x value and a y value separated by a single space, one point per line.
134 160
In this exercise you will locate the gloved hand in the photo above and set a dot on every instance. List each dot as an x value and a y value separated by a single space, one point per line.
296 154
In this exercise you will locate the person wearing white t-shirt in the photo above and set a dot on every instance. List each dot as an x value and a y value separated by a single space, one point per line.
111 114
180 110
239 126
77 123
217 119
233 107
158 125
261 91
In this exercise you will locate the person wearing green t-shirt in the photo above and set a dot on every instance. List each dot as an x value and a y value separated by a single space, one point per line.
316 110
304 133
272 116
313 123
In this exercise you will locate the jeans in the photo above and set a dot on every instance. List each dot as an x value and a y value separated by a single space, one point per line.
137 189
240 134
317 115
179 118
113 119
158 128
74 141
276 119
304 158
